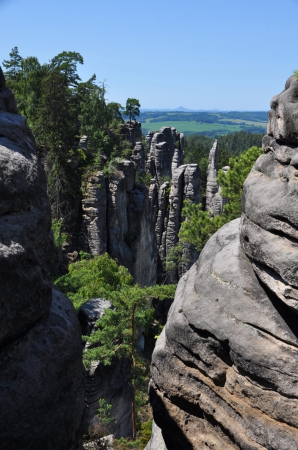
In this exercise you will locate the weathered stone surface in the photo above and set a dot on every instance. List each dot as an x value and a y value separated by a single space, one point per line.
90 312
138 157
166 153
24 227
156 442
41 371
283 116
117 213
224 370
142 213
269 229
42 383
132 132
94 206
112 384
212 186
174 218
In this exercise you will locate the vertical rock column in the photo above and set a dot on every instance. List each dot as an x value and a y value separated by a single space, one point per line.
94 207
212 186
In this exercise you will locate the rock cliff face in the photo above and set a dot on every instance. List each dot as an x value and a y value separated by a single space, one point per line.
224 371
136 224
41 372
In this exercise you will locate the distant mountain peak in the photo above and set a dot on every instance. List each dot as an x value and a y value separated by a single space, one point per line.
181 108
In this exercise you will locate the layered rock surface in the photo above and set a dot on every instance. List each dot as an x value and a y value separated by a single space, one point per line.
41 372
224 371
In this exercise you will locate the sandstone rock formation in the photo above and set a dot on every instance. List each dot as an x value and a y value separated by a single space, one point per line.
224 370
41 371
165 153
136 224
214 200
156 442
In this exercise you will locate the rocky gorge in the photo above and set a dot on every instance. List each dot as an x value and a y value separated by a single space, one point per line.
224 370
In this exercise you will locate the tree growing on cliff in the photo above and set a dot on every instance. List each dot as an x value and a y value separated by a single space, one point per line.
132 109
117 331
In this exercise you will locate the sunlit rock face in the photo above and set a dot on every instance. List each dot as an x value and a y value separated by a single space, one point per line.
41 372
225 368
269 231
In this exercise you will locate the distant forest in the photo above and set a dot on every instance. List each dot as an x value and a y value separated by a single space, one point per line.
206 123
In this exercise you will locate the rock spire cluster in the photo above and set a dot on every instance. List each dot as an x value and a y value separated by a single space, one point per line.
224 370
136 224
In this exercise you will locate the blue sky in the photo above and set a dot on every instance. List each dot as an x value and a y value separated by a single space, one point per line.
200 54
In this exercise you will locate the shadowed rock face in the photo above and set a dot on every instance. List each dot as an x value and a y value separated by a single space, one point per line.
224 370
41 372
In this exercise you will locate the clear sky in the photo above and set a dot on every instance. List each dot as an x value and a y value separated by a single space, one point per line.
200 54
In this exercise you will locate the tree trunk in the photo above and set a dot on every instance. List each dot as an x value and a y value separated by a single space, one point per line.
133 396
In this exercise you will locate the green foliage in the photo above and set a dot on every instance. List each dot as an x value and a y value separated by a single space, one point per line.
144 179
174 257
97 277
59 107
66 63
140 443
198 225
116 333
59 239
104 413
116 329
197 149
126 444
132 108
205 123
84 255
146 431
232 182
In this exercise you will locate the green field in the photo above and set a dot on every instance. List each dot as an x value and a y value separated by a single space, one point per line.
191 127
209 124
